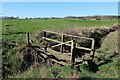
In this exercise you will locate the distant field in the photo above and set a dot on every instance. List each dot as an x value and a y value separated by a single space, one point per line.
34 25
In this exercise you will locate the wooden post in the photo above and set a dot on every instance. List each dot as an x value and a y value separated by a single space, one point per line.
44 41
44 34
73 53
62 40
93 49
28 38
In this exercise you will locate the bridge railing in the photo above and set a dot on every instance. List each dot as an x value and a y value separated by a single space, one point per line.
72 43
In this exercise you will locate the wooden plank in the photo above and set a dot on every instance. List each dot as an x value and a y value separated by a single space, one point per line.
51 32
65 56
60 44
57 61
56 41
52 40
78 37
83 48
68 35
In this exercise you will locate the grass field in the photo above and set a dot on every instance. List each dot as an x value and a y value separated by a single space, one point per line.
16 34
33 25
19 26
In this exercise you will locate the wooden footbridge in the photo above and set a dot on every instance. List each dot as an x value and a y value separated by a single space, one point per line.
66 49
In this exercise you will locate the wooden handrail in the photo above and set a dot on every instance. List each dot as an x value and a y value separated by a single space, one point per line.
66 43
72 45
68 35
61 44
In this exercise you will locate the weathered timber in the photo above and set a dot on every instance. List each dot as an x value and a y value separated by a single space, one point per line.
68 35
93 49
44 41
73 53
72 44
28 38
69 58
66 43
61 43
62 40
53 58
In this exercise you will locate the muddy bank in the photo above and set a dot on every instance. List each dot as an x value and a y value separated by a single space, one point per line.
98 34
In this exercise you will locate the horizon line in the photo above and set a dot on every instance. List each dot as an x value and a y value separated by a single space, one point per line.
60 16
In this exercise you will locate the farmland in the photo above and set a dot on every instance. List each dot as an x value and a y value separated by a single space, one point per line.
34 25
16 34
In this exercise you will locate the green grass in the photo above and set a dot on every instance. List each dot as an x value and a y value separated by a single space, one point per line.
36 25
51 72
109 70
109 46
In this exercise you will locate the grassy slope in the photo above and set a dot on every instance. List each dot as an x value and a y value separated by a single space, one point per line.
109 48
51 72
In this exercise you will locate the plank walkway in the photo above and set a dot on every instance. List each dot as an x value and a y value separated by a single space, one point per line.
63 57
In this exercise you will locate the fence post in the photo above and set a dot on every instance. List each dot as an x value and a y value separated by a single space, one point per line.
93 49
73 45
45 44
62 40
28 38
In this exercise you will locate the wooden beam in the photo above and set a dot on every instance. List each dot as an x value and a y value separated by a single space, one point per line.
72 59
68 35
60 44
83 48
55 41
51 32
89 49
78 37
93 49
